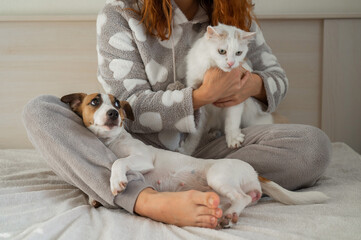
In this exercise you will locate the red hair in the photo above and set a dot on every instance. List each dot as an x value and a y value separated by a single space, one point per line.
156 15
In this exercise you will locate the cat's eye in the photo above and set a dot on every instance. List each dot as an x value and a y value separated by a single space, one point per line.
238 53
222 51
117 104
94 102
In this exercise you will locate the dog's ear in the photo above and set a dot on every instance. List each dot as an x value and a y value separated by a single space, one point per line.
74 100
127 110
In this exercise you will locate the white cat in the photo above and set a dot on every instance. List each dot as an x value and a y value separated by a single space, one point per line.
224 47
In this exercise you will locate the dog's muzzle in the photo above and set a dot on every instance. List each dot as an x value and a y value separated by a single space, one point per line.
112 114
112 118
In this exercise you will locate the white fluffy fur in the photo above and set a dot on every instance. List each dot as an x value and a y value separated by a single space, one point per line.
206 54
234 180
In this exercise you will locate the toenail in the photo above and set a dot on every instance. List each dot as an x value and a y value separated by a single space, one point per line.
211 201
213 219
218 211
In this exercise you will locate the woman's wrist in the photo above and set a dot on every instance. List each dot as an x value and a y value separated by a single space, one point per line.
259 89
200 98
140 206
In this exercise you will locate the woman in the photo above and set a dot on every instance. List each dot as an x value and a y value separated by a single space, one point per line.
141 50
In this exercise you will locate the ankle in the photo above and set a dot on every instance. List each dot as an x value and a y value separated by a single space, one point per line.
142 205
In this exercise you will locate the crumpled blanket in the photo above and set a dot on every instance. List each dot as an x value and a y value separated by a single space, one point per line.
37 204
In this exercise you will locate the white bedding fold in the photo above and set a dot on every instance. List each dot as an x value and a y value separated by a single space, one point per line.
36 204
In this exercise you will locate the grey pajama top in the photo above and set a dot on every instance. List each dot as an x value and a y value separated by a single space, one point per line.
138 67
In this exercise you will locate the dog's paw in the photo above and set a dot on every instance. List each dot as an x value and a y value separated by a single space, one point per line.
118 183
94 203
235 140
228 220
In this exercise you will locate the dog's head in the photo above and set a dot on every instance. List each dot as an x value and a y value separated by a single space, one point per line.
103 114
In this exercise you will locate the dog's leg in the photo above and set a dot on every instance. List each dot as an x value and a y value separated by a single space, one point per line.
92 202
142 163
239 200
227 177
118 178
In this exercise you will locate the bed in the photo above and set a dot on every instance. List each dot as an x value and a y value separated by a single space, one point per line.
37 204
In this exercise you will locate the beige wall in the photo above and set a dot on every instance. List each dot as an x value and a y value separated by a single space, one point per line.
50 7
263 7
307 7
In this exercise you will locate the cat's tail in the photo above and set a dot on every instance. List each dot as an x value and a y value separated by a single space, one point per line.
284 196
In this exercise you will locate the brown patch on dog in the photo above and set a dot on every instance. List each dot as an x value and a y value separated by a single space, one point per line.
127 109
264 180
113 100
89 109
74 100
81 104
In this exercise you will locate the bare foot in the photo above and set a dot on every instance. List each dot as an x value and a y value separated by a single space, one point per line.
190 208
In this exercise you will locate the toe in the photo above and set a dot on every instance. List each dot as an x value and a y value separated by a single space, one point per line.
212 200
216 212
206 221
209 199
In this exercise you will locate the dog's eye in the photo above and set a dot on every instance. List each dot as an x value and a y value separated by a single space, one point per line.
117 104
238 53
222 51
94 102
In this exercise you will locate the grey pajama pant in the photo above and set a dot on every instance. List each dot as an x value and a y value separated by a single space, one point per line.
292 155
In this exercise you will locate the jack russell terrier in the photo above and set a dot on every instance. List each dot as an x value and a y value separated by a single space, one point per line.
235 181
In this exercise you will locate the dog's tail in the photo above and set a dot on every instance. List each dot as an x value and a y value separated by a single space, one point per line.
284 196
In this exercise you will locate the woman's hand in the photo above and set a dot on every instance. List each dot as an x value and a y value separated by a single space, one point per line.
226 89
251 85
217 85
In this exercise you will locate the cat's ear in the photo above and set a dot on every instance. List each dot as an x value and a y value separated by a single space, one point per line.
211 32
248 35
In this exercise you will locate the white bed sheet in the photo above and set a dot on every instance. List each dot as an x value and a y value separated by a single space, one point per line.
36 204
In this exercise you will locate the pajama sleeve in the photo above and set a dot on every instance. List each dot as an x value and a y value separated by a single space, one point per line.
126 70
266 65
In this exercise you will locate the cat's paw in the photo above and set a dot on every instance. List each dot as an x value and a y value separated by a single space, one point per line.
118 183
235 140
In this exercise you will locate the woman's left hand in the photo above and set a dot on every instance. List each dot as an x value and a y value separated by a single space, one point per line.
251 86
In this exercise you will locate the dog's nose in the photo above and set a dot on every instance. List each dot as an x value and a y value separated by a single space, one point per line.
113 114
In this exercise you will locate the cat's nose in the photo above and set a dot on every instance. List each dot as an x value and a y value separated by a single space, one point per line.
230 64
